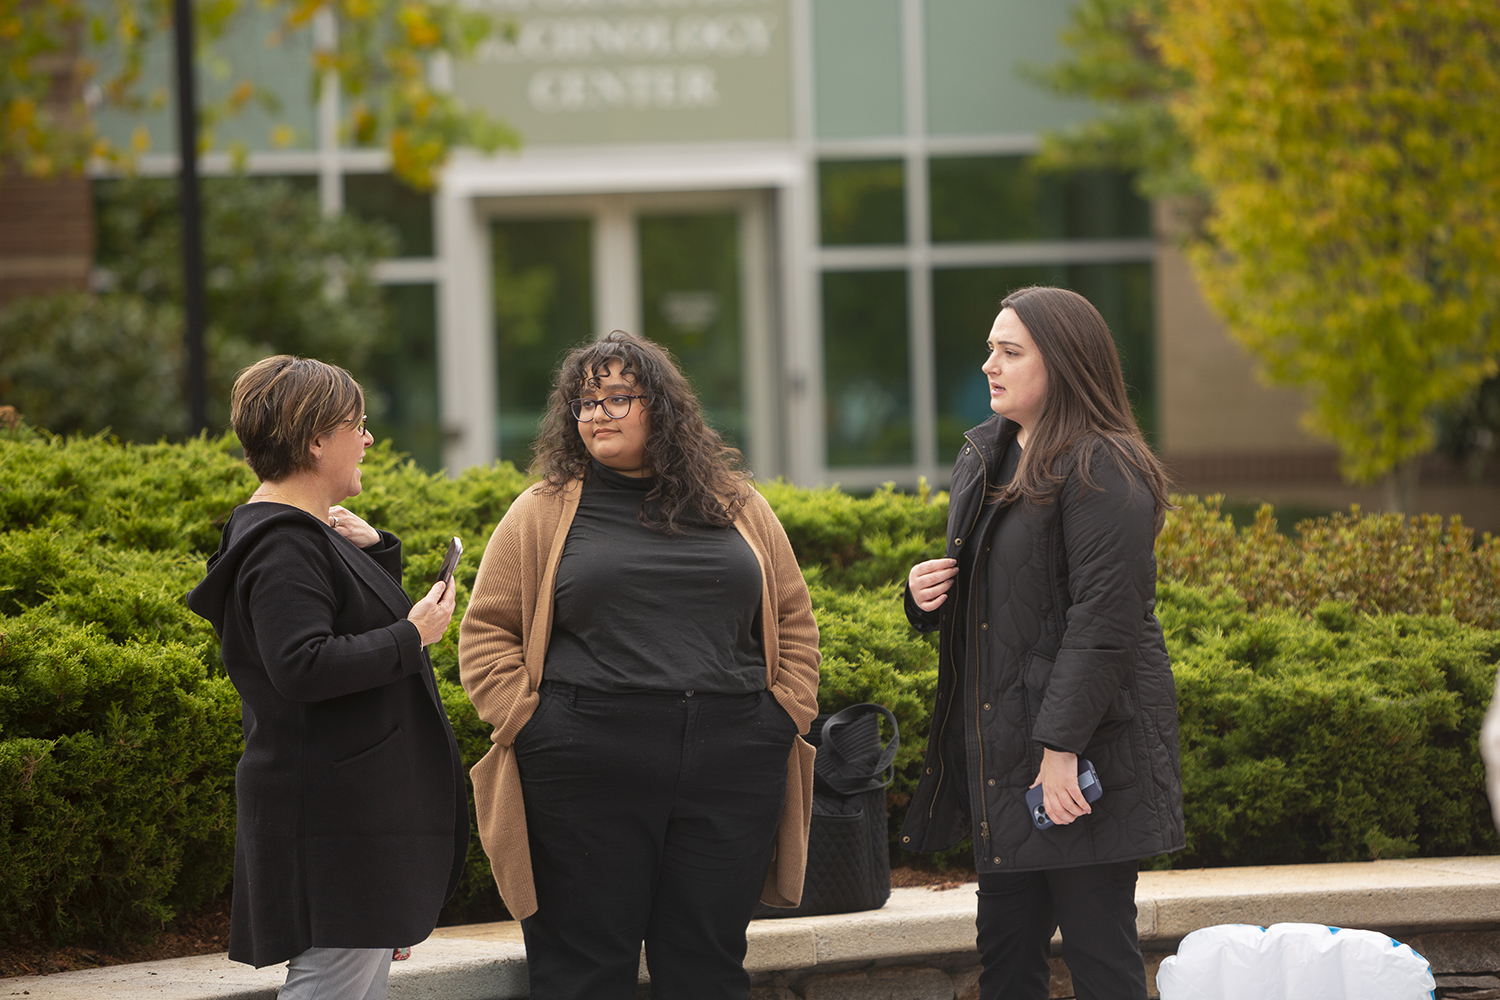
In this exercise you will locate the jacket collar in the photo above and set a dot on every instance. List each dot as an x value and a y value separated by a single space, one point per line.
990 440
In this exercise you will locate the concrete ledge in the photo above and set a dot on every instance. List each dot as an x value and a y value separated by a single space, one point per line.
488 961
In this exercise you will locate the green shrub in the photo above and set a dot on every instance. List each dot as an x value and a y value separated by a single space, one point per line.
1311 730
1374 562
845 541
116 767
1335 737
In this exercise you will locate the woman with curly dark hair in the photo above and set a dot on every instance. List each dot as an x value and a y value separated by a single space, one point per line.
642 642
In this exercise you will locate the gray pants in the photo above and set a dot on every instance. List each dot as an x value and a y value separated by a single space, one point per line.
338 974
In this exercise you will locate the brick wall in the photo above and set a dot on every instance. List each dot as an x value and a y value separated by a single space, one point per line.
46 235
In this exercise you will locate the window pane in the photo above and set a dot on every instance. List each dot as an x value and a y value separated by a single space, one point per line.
965 301
867 393
382 198
862 201
857 68
690 298
975 53
997 198
543 306
403 378
964 304
982 198
1124 297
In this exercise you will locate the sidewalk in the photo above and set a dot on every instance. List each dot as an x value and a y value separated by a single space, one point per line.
920 945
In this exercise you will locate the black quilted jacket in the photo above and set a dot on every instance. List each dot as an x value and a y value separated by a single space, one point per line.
1062 648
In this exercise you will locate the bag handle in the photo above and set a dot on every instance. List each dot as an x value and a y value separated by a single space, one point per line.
884 771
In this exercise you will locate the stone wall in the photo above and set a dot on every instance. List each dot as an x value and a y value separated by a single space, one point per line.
1466 965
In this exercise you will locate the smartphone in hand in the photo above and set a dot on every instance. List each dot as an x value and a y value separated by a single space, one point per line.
450 563
1088 784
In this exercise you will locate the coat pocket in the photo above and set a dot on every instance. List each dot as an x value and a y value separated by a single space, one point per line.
1038 673
370 751
1112 748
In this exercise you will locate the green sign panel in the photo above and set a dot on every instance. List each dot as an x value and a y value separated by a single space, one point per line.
587 71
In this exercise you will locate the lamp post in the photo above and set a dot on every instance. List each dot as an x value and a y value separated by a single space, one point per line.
192 217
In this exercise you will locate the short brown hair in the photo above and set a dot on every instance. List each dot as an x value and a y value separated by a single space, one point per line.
281 403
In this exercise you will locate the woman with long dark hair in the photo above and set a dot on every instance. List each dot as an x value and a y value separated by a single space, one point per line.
642 641
1051 654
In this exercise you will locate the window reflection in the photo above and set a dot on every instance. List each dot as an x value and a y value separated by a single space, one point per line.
543 280
1005 198
690 298
403 376
965 301
382 198
862 202
867 390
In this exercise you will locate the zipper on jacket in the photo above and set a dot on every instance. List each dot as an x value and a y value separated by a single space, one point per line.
984 477
984 825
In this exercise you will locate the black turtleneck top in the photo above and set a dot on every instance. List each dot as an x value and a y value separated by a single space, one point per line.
635 610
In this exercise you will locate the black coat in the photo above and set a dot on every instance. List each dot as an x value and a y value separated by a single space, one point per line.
352 813
1062 649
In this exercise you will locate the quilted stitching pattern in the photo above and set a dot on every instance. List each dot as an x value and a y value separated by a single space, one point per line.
1069 653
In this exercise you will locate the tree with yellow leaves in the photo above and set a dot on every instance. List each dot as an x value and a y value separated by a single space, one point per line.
64 58
1352 153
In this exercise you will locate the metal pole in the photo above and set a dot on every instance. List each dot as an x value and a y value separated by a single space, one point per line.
192 217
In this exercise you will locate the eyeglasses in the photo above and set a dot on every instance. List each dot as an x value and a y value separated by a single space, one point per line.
359 425
616 407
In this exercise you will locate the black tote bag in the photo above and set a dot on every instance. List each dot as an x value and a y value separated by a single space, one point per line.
848 846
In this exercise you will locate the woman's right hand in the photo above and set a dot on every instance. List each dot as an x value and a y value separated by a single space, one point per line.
930 582
432 613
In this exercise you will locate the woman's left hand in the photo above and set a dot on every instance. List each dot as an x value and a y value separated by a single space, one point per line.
1060 793
352 527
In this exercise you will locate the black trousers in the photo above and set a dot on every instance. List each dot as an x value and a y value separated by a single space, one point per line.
651 817
1095 907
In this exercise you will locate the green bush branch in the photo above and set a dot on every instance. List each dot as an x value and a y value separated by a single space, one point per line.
1331 683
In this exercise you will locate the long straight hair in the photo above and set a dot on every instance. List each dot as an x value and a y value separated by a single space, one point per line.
1085 400
698 477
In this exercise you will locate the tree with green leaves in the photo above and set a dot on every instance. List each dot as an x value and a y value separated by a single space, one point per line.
1349 154
1116 63
282 278
1353 151
65 58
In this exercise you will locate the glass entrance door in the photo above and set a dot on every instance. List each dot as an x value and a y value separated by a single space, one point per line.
689 275
690 304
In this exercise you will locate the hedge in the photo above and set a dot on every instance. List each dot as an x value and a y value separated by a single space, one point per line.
1311 729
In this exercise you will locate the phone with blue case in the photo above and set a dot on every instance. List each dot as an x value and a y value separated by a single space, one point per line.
1088 784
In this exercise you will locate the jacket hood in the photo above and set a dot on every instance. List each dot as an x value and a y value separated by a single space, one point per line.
242 533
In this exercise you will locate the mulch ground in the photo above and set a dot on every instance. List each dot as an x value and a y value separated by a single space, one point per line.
203 933
207 933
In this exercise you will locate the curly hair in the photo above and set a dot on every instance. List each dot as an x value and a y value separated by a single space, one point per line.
698 477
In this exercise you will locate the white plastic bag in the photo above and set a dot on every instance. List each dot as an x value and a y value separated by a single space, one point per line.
1293 962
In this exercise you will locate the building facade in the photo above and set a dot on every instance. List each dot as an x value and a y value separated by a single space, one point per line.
817 205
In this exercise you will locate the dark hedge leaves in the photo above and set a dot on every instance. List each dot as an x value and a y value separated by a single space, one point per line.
1331 685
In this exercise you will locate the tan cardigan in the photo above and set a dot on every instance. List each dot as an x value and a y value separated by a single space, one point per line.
503 644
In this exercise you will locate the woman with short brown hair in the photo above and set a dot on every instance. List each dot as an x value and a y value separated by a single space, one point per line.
642 641
352 826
